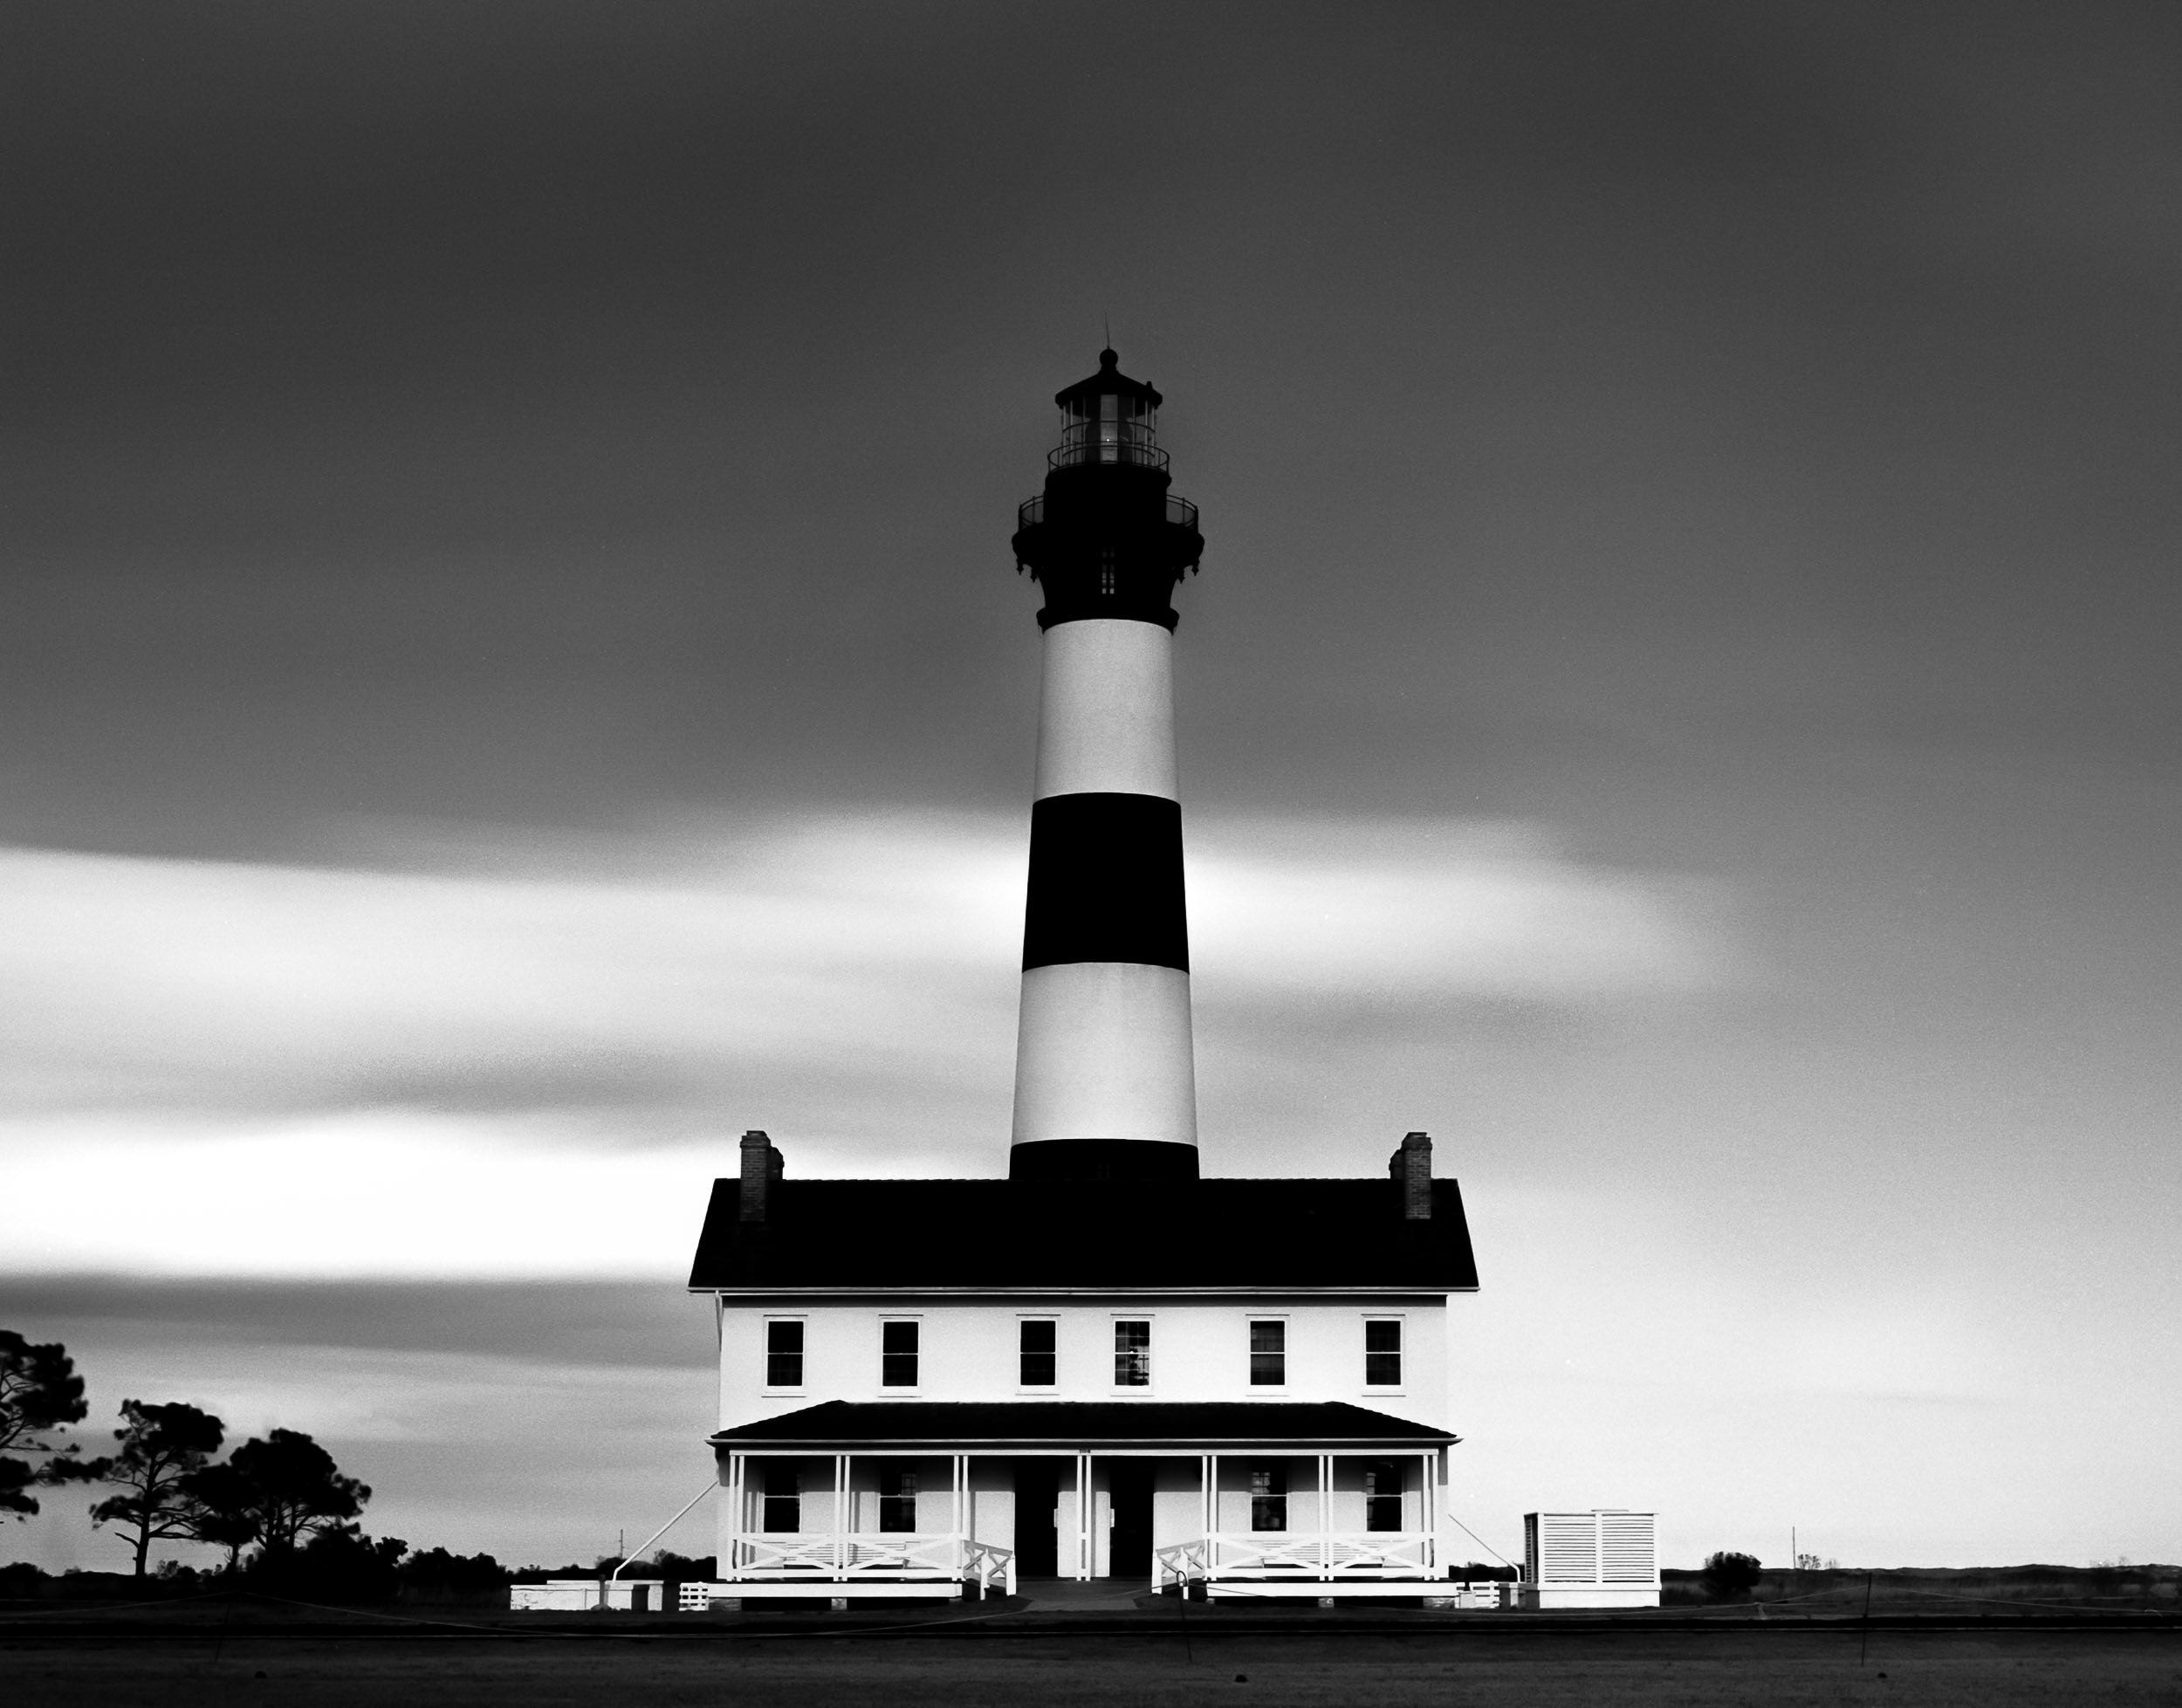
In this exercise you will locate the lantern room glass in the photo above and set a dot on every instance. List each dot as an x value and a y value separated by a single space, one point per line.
1107 427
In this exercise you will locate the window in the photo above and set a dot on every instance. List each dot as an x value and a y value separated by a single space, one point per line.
1035 1358
1383 1495
1382 1353
1269 1497
1268 1355
897 1500
897 1355
782 1501
784 1355
1132 1354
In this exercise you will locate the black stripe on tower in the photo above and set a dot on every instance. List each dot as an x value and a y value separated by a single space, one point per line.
1105 883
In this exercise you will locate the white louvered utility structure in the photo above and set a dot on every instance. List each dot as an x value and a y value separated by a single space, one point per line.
1606 1557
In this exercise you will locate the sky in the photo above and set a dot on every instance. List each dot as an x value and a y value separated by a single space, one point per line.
513 675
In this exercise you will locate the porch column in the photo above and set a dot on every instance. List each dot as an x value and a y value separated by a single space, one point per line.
1211 1516
842 1520
731 1549
1326 1513
1428 1494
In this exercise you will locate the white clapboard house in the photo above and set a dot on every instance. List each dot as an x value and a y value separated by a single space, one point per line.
1104 1366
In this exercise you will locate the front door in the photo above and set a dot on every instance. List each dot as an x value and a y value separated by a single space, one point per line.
1037 1501
1128 1543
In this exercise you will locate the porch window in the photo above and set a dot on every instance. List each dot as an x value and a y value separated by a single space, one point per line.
897 1500
1269 1497
897 1355
1382 1353
1383 1495
1268 1355
784 1355
1035 1356
781 1504
1132 1354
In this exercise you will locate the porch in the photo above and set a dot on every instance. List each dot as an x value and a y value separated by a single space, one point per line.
883 1520
1272 1501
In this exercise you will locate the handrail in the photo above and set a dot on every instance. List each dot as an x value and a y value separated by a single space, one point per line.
1128 456
663 1529
1181 513
1301 1556
988 1561
817 1556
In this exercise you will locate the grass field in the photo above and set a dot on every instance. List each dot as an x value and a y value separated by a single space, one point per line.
810 1672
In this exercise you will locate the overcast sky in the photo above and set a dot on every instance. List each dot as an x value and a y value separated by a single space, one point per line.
513 675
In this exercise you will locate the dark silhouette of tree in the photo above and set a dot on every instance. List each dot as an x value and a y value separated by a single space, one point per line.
292 1489
1727 1576
222 1509
40 1393
434 1575
163 1447
340 1563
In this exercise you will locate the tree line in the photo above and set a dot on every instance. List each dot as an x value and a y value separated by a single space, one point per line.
279 1496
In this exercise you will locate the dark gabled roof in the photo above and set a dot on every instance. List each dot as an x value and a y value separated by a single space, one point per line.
864 1236
905 1423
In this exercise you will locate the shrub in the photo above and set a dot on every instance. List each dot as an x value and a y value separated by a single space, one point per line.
1727 1576
437 1575
340 1565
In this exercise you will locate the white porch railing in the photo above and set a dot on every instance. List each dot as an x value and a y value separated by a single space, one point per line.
1185 1562
1306 1555
772 1556
989 1567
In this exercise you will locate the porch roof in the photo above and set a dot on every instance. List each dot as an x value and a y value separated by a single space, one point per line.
987 1236
957 1426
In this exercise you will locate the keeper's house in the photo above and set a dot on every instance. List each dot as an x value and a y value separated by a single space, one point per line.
1103 1366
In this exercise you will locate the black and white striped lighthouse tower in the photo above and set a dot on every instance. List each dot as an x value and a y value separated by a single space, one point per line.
1105 1079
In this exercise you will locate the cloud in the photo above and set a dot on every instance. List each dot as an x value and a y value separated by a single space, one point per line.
525 1055
379 1192
1403 911
637 971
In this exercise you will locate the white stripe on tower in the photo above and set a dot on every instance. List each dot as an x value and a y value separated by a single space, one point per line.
1105 716
1103 1049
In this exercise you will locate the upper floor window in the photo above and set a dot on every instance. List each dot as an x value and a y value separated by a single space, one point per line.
897 1500
1035 1357
780 1505
1382 1353
784 1355
897 1355
1269 1355
1132 1354
1269 1496
1383 1495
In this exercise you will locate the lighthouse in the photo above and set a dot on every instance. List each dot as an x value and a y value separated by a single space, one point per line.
1107 1364
1105 1075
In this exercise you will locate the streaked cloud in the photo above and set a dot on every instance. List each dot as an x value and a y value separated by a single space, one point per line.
499 1055
636 971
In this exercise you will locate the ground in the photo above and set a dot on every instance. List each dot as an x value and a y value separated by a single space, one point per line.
806 1670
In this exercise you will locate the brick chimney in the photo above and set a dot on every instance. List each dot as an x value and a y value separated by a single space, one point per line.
762 1165
1411 1168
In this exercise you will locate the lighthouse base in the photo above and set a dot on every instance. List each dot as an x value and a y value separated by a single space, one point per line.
1102 1159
